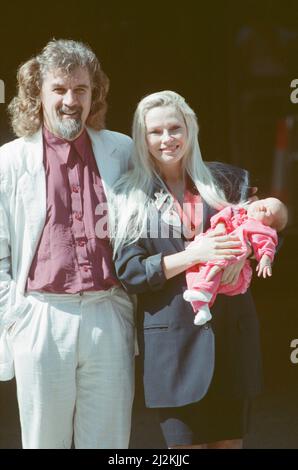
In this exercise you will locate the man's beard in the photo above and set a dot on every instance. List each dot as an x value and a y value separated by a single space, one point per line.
68 128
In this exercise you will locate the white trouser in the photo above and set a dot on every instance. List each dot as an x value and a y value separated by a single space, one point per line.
74 367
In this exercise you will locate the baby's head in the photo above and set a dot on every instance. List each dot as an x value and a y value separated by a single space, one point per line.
270 211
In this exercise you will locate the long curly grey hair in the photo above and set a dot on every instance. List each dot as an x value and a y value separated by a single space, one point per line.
25 109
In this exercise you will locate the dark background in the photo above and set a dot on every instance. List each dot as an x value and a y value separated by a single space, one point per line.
233 61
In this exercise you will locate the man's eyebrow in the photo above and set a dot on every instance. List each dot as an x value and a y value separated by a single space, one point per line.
61 85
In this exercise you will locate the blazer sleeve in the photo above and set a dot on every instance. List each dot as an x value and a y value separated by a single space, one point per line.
12 303
138 271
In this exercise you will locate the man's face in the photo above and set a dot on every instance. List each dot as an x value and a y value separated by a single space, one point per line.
66 102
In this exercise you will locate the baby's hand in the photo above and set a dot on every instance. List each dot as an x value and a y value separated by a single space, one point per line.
264 267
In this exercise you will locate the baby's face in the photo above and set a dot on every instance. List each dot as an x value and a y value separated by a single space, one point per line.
264 210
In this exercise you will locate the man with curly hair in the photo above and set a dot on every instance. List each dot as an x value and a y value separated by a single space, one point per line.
66 324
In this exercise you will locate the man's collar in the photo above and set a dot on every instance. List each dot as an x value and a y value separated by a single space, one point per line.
81 143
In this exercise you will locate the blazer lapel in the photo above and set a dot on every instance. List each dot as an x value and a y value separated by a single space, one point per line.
105 152
208 212
32 187
163 202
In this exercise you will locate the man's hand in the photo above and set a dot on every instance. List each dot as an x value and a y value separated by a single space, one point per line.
264 267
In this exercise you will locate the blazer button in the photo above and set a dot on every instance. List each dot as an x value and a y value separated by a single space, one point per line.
206 326
78 216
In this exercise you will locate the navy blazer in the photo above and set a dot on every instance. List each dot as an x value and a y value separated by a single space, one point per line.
179 356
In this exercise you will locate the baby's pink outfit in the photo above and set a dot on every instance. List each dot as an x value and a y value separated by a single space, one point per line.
263 240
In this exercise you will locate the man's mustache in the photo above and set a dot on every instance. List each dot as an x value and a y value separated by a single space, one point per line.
76 111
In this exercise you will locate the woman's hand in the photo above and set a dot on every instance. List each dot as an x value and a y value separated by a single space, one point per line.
214 246
230 273
253 194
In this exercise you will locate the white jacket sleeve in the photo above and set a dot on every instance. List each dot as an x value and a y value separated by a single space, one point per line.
12 303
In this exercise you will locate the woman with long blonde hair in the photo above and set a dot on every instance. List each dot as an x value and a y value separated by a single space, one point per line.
199 379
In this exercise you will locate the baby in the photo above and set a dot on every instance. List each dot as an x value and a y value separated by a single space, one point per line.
256 226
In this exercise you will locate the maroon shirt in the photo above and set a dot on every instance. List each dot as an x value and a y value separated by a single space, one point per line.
70 257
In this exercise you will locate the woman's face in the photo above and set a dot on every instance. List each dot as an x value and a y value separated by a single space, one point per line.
166 136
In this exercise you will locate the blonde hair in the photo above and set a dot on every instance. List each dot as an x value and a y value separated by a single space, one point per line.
63 54
133 193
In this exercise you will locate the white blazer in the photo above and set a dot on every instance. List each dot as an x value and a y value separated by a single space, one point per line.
23 213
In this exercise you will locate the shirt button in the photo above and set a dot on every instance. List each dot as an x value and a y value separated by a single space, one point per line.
78 216
81 243
75 189
85 269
